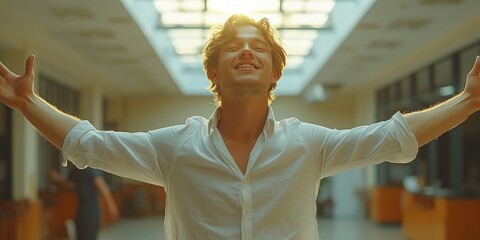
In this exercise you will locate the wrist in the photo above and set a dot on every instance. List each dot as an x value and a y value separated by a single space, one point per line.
471 102
27 102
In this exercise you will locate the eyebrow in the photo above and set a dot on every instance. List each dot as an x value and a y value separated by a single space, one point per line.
249 39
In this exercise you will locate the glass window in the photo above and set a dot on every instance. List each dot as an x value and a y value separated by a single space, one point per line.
444 161
471 130
444 79
405 94
5 153
392 99
423 87
65 99
436 166
443 73
3 128
382 99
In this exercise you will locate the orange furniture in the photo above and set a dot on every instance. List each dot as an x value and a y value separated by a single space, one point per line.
440 218
385 204
59 206
20 220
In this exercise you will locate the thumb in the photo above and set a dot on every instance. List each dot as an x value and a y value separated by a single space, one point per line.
476 67
29 66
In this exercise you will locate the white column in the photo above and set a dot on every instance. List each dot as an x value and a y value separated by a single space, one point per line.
91 105
24 139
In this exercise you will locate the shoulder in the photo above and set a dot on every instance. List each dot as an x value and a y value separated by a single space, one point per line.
306 132
196 120
180 132
298 125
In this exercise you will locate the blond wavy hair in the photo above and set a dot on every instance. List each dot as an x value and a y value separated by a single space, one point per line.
221 34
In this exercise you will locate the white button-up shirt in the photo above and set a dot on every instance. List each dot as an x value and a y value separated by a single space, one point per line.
208 197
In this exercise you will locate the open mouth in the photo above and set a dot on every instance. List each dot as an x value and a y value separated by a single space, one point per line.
246 66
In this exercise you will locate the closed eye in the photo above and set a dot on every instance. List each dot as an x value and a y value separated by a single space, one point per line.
232 49
260 46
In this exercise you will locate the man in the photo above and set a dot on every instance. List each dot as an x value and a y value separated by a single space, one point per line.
240 174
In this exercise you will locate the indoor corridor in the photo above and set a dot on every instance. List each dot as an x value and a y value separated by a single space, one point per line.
151 228
136 66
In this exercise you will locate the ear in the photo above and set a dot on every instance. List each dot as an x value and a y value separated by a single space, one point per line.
274 78
213 75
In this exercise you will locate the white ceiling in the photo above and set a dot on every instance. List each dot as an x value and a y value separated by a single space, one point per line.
103 41
298 28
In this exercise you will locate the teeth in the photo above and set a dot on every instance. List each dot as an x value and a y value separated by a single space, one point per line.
246 66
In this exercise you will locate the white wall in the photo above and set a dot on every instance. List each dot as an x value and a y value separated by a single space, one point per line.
143 113
337 113
365 113
345 199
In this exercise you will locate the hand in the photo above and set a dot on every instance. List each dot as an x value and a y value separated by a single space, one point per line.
472 86
15 89
54 176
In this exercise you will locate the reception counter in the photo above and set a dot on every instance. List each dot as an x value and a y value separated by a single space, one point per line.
438 216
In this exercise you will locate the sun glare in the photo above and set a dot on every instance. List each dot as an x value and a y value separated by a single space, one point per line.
243 6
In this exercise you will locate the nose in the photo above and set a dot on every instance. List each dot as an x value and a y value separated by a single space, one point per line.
246 51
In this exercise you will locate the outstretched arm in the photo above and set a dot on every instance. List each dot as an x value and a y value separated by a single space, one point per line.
430 123
16 91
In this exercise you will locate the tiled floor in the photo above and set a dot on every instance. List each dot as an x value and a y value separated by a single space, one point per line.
329 229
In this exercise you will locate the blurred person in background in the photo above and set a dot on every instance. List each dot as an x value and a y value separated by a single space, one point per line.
90 187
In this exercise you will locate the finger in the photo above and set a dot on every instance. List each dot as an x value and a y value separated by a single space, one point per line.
29 65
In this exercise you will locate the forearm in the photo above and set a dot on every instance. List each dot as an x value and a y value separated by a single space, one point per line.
53 124
107 196
431 123
105 193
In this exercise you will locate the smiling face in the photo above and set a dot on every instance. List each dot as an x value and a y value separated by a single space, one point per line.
244 66
223 34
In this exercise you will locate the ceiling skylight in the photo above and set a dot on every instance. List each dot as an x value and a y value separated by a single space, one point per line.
178 29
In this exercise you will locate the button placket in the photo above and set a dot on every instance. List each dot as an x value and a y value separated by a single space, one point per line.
225 154
247 224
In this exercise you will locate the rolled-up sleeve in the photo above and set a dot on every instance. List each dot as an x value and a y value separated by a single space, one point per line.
406 139
132 155
71 141
340 150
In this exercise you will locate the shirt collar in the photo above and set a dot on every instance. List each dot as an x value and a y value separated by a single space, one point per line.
268 128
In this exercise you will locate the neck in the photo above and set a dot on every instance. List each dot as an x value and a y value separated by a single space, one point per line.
242 120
